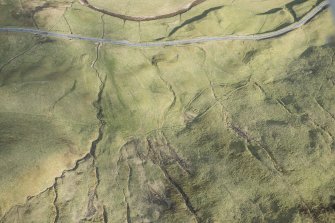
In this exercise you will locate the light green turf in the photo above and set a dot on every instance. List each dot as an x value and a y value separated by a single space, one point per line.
47 117
231 131
140 8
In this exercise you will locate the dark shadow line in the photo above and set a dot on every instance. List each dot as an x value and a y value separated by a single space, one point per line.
193 19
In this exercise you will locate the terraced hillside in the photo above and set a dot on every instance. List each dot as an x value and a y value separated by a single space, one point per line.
221 131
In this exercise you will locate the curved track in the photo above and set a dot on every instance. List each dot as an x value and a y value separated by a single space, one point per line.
143 18
255 37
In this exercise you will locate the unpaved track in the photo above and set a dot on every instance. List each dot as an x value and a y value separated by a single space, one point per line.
268 35
143 18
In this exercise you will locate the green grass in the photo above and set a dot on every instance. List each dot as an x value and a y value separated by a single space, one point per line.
46 126
141 8
226 18
231 131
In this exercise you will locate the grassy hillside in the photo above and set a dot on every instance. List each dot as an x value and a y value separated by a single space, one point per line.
47 118
232 131
210 18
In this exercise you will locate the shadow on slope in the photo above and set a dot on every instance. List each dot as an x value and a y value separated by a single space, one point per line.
193 19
